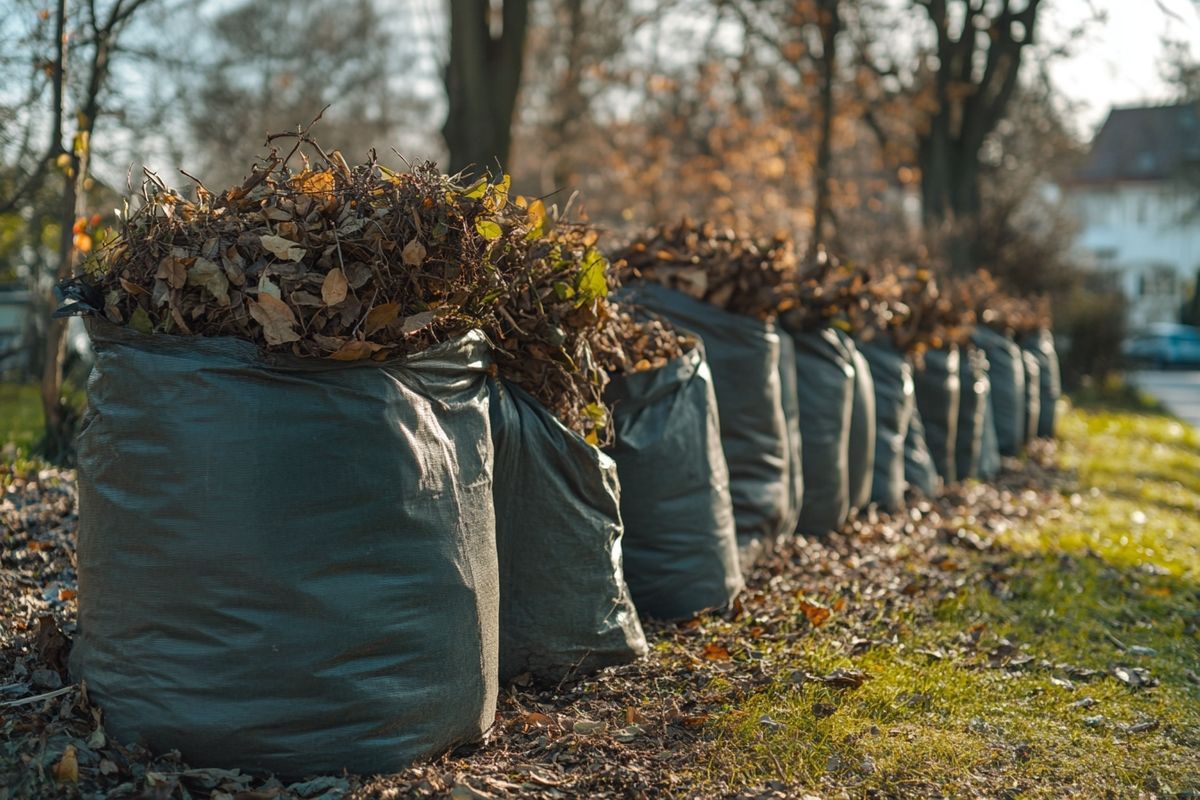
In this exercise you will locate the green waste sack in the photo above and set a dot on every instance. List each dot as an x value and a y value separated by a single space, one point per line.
989 445
680 543
862 429
1041 344
1006 374
825 394
938 391
894 409
286 565
919 470
743 354
1033 394
565 609
790 401
972 413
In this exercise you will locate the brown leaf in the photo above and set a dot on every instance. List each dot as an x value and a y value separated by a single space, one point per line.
380 317
816 614
355 350
532 721
281 248
842 678
277 320
413 254
716 652
334 288
172 271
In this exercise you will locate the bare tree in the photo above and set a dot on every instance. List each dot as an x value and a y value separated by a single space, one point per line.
482 78
69 153
270 66
979 48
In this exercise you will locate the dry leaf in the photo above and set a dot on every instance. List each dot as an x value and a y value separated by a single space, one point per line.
67 768
281 248
265 286
277 320
173 272
355 350
417 322
208 275
816 614
716 652
413 254
334 288
380 317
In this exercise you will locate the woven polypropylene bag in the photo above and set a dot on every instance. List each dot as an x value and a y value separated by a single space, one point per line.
284 564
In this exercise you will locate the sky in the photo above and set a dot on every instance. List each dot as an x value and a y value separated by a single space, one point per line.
1119 62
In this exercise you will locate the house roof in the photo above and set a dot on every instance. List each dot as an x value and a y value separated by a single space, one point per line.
1150 143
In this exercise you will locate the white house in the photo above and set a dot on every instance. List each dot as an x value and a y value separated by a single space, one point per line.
1137 198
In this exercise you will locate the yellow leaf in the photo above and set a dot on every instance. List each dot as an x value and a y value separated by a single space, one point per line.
380 317
592 439
67 768
277 320
281 248
537 219
488 229
313 182
476 191
334 287
500 190
140 321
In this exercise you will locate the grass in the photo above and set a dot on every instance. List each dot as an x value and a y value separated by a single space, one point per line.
1107 579
20 417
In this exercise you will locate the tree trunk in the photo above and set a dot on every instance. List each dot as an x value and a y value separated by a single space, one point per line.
55 444
830 22
971 102
482 79
571 102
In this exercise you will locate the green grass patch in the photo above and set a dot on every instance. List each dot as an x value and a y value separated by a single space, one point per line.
20 417
1010 686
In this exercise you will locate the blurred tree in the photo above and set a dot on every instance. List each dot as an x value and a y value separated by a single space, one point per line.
804 34
482 78
978 55
266 67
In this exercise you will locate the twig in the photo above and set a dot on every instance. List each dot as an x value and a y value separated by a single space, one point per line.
48 695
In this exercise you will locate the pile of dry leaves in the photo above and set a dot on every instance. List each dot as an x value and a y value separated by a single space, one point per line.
997 308
639 342
738 273
358 262
912 306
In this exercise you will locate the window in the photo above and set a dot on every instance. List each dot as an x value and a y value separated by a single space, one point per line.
1160 280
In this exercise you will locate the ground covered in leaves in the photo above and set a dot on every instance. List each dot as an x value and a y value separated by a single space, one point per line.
1035 638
